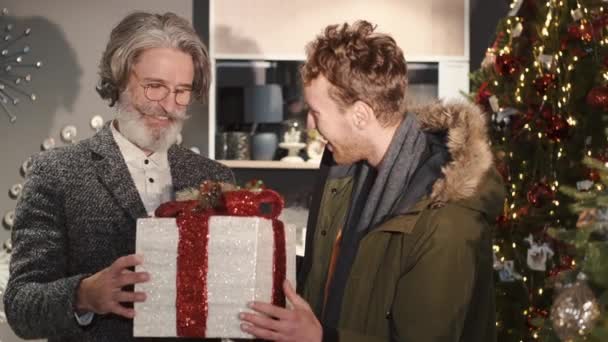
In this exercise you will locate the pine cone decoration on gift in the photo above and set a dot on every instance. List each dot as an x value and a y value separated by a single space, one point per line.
210 195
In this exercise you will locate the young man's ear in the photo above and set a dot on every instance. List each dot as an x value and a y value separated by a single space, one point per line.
363 114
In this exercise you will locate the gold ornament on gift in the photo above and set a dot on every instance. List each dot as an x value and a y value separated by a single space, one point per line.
575 311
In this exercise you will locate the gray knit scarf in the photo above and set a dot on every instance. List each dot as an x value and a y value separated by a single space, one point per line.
376 194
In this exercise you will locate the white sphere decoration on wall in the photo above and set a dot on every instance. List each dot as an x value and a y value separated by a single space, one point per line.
48 144
15 191
15 67
97 122
26 167
9 219
69 133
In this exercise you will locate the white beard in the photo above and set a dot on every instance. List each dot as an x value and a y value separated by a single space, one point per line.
132 125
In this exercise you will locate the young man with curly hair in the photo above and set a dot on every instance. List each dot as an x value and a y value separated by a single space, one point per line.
398 246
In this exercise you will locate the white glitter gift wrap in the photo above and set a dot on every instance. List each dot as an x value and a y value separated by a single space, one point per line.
240 265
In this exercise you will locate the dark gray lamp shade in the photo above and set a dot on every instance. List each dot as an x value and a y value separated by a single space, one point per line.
263 104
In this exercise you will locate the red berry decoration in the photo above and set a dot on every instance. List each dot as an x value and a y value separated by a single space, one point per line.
558 129
506 65
540 194
544 83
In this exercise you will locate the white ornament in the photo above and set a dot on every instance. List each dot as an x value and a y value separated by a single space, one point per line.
494 103
15 190
9 219
515 7
506 270
69 133
26 167
546 61
48 144
507 273
577 14
538 255
195 149
584 185
97 122
517 30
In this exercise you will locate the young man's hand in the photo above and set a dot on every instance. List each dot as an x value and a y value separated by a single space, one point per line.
279 324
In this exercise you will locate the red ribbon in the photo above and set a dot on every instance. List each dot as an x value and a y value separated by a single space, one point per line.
192 259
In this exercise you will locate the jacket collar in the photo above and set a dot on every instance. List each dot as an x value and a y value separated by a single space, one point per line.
114 174
467 142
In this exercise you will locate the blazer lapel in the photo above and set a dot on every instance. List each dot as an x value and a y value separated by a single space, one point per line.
114 174
181 175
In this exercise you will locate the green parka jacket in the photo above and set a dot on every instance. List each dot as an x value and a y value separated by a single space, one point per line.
424 274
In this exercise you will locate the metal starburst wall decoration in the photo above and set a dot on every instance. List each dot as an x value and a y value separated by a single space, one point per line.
15 69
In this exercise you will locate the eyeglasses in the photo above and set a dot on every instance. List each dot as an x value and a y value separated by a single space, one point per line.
156 91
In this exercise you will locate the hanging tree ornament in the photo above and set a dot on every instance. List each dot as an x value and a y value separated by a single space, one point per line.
14 67
598 98
540 194
538 255
544 83
575 311
558 129
506 65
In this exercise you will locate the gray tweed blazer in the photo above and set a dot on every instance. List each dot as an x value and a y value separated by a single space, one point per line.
76 215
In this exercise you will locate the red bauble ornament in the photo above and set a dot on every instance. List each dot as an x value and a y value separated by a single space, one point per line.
598 98
540 194
598 25
594 175
586 30
502 221
544 83
506 65
558 128
546 113
583 31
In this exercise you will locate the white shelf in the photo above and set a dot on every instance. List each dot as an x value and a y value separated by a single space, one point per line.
270 164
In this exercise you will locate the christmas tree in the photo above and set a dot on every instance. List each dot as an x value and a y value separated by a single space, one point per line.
543 82
579 309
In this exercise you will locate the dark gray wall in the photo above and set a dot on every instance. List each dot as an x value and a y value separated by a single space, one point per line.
483 19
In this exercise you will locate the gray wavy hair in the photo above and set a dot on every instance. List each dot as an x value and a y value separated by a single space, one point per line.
140 31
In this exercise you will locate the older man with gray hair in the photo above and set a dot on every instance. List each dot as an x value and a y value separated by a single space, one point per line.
74 234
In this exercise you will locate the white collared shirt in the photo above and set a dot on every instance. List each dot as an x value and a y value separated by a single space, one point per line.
151 174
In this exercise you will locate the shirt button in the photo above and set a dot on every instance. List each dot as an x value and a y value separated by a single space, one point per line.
151 180
146 162
323 232
334 191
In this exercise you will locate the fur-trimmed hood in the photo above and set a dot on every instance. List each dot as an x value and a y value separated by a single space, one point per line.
467 142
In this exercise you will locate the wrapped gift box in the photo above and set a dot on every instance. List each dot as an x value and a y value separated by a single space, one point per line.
237 261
